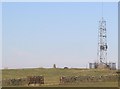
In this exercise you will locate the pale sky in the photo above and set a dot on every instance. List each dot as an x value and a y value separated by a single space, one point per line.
65 34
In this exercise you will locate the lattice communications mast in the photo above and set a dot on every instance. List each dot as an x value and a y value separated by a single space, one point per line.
102 42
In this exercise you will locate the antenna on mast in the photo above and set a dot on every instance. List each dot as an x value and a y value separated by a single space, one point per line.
102 8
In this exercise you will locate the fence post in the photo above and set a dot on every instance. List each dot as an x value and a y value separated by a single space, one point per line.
118 72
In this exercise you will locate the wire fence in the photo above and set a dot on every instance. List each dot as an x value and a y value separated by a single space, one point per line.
79 79
62 80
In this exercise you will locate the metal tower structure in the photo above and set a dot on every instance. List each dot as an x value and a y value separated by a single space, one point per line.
102 48
102 42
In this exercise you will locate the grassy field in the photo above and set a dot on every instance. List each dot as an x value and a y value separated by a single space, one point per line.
52 76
